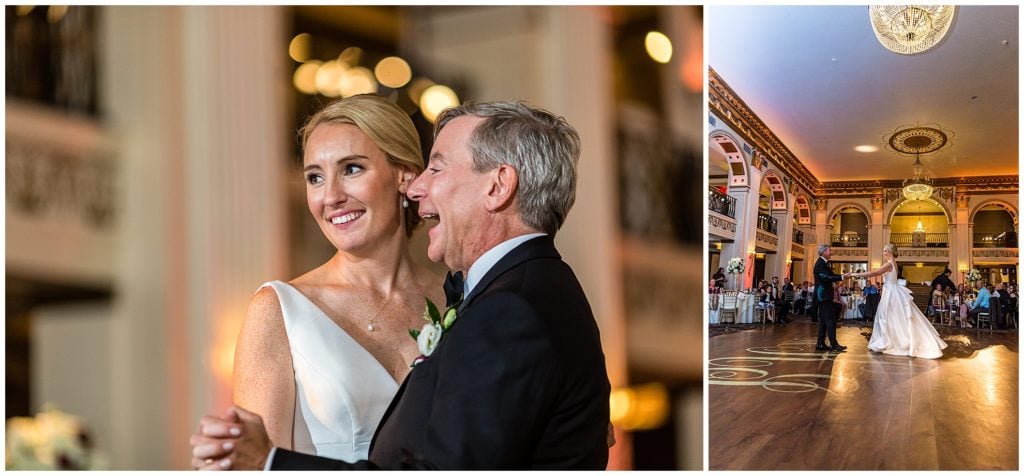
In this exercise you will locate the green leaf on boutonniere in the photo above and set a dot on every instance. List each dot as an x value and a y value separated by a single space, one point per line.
432 314
415 333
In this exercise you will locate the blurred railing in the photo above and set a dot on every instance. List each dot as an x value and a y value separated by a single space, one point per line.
721 203
854 240
767 223
920 240
995 240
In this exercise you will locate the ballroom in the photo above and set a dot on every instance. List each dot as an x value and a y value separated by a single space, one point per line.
855 128
153 183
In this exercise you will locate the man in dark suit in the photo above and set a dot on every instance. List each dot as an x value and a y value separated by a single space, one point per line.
519 379
944 280
824 294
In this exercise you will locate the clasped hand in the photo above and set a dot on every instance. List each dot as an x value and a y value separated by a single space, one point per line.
236 440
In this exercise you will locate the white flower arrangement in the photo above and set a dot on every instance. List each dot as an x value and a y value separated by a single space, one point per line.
53 440
973 275
735 265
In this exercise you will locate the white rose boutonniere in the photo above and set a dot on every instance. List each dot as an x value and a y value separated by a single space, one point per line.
430 336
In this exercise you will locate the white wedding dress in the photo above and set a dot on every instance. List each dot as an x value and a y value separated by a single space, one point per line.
900 327
341 391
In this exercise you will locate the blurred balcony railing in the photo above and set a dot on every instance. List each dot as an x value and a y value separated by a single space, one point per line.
848 240
920 240
995 240
721 203
767 223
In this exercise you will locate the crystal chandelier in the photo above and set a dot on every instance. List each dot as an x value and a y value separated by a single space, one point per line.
910 29
919 187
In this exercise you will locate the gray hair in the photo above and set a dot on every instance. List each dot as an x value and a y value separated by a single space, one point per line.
822 247
543 148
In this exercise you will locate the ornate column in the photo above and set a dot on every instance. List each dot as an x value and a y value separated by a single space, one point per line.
195 100
876 232
746 229
962 238
820 234
776 264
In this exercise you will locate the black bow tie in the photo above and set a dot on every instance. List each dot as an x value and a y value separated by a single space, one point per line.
453 288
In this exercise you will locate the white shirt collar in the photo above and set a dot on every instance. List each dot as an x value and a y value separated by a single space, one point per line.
486 261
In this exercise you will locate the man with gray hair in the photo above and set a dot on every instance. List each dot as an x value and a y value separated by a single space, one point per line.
518 380
824 294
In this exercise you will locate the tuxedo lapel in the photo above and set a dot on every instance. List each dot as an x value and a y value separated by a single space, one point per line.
539 247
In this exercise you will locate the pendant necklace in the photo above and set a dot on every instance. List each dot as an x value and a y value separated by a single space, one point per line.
370 327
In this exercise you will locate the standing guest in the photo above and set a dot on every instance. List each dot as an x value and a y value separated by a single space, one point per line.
719 279
943 280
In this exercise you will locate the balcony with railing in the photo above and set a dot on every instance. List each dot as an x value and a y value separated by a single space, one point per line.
850 240
995 240
766 237
920 240
767 223
721 203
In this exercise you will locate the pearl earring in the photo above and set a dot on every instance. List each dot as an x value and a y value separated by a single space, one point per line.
405 202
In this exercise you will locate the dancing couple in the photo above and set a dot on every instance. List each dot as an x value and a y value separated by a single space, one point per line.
509 374
900 327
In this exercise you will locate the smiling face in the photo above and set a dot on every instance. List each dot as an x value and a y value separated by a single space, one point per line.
451 197
352 190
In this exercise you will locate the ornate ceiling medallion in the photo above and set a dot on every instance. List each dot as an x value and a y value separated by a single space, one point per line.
915 141
918 140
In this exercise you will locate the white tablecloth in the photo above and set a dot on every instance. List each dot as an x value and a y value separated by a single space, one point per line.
853 303
745 304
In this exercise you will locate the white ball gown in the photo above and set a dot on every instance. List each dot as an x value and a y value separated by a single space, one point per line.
900 327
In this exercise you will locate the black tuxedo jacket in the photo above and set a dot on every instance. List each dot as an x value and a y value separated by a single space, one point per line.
823 279
518 382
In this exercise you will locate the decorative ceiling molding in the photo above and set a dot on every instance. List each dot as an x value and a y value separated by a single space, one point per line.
728 106
725 103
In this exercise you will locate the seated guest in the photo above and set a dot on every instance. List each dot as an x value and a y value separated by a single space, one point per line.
837 301
800 299
980 303
938 298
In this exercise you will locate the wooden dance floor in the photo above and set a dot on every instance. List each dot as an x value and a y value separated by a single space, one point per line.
775 403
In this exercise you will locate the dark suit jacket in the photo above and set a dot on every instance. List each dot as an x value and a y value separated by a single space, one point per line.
518 382
944 281
823 279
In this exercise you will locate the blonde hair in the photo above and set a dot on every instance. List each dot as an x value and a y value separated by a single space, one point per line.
387 125
892 249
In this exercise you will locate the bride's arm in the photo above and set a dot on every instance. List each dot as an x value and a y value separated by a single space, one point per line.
264 382
878 272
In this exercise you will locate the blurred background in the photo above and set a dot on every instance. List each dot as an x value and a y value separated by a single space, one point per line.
152 184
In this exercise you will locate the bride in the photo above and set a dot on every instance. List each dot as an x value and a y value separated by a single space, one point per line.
900 327
321 356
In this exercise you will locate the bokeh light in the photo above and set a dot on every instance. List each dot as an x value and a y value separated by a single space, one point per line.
298 49
435 99
304 78
659 47
393 72
358 80
328 78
